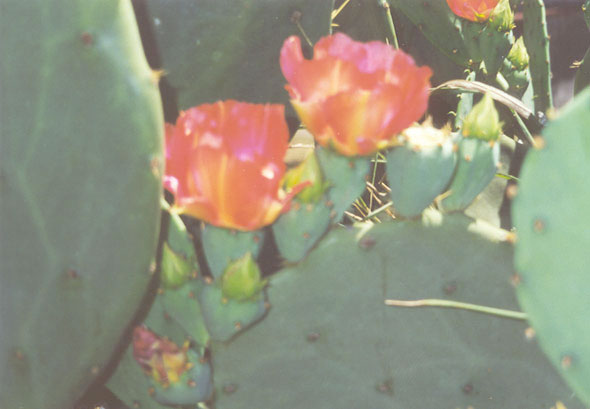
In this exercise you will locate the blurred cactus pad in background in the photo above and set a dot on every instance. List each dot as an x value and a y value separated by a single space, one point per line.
294 204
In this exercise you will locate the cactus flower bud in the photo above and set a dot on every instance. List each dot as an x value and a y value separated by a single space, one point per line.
502 18
176 269
241 279
483 121
159 357
473 10
307 171
518 55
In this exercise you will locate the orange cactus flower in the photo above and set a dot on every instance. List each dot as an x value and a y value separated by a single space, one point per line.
474 10
224 164
354 97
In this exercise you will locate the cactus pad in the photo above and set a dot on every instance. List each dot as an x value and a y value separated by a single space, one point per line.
221 49
81 164
346 178
222 246
551 217
298 230
476 167
330 342
226 317
419 170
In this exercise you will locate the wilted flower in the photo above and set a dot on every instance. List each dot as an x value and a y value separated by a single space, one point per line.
224 164
474 10
354 97
159 357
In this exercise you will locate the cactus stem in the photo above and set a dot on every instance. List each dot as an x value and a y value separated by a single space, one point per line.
296 19
524 129
387 14
431 302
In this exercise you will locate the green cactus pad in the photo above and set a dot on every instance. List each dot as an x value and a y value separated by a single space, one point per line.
194 385
551 217
487 44
439 25
465 103
346 177
418 173
518 80
298 230
476 167
221 49
536 40
182 306
81 163
224 245
132 385
464 42
225 317
330 342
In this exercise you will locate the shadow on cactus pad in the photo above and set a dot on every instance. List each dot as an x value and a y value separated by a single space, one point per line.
329 340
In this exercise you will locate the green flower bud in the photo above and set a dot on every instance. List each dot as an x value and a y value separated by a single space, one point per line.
241 279
308 170
518 55
176 270
502 18
483 121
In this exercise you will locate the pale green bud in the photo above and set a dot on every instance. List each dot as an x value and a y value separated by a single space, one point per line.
308 170
483 122
241 279
518 55
502 18
175 269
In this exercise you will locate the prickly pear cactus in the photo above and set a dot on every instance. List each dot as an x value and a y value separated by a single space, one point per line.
329 341
80 185
223 245
536 40
551 217
477 162
212 49
346 178
179 325
420 169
